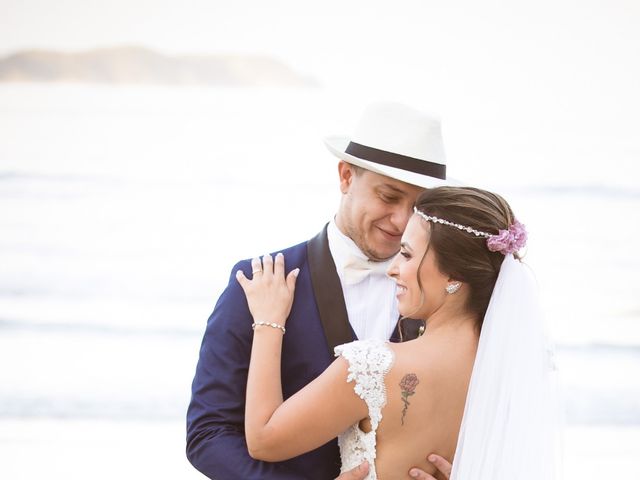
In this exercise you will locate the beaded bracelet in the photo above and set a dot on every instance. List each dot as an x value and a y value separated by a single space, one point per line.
268 324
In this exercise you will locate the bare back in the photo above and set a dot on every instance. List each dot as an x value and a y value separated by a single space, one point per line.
426 392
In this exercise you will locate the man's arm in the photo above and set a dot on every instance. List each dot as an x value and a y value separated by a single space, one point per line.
216 444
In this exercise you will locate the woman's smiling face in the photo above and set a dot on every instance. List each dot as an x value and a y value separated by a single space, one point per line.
413 301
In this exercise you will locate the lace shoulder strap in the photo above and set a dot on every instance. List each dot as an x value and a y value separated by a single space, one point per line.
369 361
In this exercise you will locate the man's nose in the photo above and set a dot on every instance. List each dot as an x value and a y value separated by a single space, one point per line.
400 216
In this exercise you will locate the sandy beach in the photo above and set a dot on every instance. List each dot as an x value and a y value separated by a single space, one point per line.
97 449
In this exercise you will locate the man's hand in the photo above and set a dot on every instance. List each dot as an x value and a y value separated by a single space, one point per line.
357 473
439 462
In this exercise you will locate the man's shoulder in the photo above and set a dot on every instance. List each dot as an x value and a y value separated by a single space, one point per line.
297 249
294 255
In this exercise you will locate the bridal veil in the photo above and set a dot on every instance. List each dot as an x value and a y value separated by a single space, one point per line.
511 424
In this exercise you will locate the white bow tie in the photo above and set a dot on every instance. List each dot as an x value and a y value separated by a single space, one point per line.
356 269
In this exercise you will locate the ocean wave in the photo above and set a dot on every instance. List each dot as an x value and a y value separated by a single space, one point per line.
53 327
612 191
582 407
94 329
12 175
583 190
599 348
91 407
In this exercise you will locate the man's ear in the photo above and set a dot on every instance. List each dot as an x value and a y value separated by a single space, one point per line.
346 173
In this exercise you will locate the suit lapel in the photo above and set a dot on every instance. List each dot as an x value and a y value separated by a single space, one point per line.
328 292
410 330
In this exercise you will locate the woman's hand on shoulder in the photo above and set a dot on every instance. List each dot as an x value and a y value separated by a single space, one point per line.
269 293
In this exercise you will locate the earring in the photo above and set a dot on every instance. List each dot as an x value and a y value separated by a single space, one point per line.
453 288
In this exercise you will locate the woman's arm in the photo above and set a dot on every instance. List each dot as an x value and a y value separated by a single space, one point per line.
316 414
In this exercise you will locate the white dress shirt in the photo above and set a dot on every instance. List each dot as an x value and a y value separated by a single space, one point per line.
372 306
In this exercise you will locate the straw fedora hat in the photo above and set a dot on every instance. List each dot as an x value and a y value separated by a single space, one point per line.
397 141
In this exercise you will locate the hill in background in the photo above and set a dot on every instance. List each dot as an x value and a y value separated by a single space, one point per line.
137 65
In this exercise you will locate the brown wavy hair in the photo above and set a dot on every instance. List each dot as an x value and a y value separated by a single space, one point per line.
462 255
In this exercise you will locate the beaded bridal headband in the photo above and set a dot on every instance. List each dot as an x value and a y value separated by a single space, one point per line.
506 241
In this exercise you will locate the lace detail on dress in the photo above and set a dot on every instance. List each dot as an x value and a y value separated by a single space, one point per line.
369 361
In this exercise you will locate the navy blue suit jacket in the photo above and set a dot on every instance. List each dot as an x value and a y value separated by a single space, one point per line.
318 322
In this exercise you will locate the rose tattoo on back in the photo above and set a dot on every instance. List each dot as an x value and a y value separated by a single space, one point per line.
408 386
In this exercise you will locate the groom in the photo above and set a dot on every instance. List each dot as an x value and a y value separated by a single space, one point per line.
342 294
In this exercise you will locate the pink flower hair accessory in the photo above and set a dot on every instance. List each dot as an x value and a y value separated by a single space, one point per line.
508 241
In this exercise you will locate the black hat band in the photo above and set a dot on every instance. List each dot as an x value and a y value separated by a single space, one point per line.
396 160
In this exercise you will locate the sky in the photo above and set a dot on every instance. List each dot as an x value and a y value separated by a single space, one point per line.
561 73
336 39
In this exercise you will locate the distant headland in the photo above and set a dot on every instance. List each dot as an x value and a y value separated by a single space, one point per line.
138 65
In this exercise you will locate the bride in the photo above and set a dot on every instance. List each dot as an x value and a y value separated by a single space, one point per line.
476 386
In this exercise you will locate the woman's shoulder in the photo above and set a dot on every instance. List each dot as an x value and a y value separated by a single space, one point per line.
367 362
366 351
437 363
362 345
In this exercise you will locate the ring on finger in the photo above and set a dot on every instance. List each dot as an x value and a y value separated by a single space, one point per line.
258 270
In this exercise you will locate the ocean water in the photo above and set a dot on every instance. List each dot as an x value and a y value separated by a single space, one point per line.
122 211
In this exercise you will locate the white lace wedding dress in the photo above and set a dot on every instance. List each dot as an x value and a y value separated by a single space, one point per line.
512 420
369 361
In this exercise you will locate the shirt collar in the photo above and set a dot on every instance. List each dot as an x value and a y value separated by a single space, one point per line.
342 247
